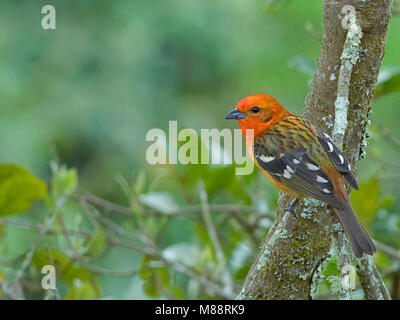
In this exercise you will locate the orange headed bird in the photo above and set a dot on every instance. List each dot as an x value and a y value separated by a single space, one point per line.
300 159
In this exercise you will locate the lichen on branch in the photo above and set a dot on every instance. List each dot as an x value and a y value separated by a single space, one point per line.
349 58
288 263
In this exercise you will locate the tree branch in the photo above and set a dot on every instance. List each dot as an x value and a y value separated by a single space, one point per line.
349 58
290 258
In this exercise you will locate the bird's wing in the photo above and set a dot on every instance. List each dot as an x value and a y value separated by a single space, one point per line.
338 159
296 170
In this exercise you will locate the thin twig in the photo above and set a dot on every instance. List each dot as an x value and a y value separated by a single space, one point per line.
150 249
46 226
371 281
391 252
211 287
225 208
104 203
107 272
223 268
34 227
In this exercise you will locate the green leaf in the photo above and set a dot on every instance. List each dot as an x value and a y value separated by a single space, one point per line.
332 267
330 273
164 276
18 189
152 286
388 81
157 279
82 291
97 242
65 181
144 270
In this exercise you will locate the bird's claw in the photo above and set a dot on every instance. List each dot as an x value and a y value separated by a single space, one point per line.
291 207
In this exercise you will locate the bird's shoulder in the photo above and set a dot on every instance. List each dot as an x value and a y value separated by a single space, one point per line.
292 132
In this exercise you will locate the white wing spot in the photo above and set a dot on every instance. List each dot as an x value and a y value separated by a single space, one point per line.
295 161
330 146
266 159
348 166
327 136
322 180
326 190
341 159
312 167
289 169
286 174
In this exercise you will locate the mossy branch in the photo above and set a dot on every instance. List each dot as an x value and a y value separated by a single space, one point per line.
292 255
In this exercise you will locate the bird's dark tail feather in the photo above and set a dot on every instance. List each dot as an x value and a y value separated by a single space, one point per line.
358 236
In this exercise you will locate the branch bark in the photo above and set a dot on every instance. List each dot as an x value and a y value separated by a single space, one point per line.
292 255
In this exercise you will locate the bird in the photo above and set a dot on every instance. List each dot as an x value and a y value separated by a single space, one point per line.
301 160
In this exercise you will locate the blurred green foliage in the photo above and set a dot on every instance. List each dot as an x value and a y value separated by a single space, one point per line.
79 100
18 189
80 280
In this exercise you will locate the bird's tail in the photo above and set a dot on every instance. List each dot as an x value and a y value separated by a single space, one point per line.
358 236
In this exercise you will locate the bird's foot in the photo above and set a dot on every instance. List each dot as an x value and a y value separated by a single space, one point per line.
291 207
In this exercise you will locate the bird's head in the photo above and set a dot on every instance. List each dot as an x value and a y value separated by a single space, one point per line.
257 112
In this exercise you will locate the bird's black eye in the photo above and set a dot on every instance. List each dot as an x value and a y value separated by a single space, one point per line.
255 109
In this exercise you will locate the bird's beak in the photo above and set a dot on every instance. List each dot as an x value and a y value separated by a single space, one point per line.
235 114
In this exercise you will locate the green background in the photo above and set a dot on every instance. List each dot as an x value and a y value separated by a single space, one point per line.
112 70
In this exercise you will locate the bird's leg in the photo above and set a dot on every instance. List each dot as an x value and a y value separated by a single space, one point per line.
290 208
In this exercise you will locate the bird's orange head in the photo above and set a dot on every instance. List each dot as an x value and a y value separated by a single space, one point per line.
257 112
